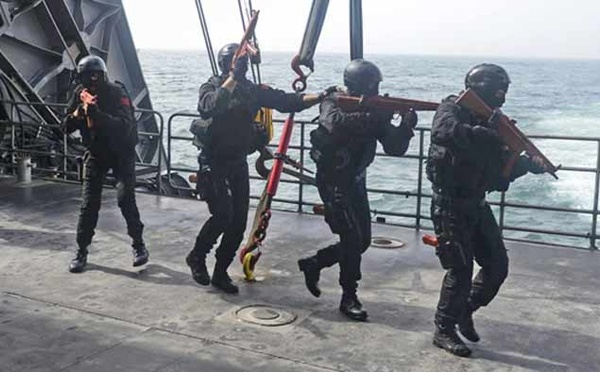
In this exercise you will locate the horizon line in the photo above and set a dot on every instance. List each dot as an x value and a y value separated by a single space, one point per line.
551 58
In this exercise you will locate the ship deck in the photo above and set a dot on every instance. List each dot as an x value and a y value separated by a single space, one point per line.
114 317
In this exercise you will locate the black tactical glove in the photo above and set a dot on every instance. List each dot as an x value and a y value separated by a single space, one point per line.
327 92
536 167
494 119
484 134
410 119
240 67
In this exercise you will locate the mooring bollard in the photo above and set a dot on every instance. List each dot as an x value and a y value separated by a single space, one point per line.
24 169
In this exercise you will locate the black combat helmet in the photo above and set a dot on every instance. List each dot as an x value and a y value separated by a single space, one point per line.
490 82
91 71
226 55
362 77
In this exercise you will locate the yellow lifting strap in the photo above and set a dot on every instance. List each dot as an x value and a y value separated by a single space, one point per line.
265 117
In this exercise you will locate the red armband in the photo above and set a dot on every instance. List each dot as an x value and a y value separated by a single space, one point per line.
125 101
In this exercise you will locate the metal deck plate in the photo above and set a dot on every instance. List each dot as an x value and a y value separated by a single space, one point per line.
386 243
265 315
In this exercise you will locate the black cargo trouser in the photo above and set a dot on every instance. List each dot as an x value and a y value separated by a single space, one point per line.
347 214
94 174
228 203
470 226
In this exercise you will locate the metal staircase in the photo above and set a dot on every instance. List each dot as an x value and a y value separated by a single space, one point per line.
40 44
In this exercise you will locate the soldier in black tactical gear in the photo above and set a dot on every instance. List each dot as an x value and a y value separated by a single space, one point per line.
103 114
229 103
343 146
466 159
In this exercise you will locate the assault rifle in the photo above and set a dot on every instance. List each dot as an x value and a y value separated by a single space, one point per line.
513 138
399 105
88 99
245 44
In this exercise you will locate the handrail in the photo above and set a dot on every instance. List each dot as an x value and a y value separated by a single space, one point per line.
65 153
421 193
420 156
170 138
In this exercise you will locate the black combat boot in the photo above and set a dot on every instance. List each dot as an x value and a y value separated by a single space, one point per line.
445 337
222 281
197 264
352 308
467 328
311 274
78 263
140 254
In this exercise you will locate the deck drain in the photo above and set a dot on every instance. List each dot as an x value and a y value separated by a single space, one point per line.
387 243
265 315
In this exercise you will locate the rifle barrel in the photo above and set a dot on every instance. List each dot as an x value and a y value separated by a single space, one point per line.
247 35
512 136
401 105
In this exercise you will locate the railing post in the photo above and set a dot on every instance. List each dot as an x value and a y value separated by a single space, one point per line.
160 153
301 185
13 143
420 177
64 158
501 219
596 190
169 122
22 130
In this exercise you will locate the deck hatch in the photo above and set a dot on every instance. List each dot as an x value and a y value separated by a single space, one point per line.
265 315
386 243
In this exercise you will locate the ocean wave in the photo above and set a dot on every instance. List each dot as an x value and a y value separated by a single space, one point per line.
546 97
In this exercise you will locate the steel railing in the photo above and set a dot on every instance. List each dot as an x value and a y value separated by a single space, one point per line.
421 195
63 170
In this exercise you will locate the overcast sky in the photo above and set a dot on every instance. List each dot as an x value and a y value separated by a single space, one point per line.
511 28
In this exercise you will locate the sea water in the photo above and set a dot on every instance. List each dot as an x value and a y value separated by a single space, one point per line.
549 97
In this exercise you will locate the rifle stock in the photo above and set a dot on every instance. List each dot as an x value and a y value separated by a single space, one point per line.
399 105
513 138
88 99
245 43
